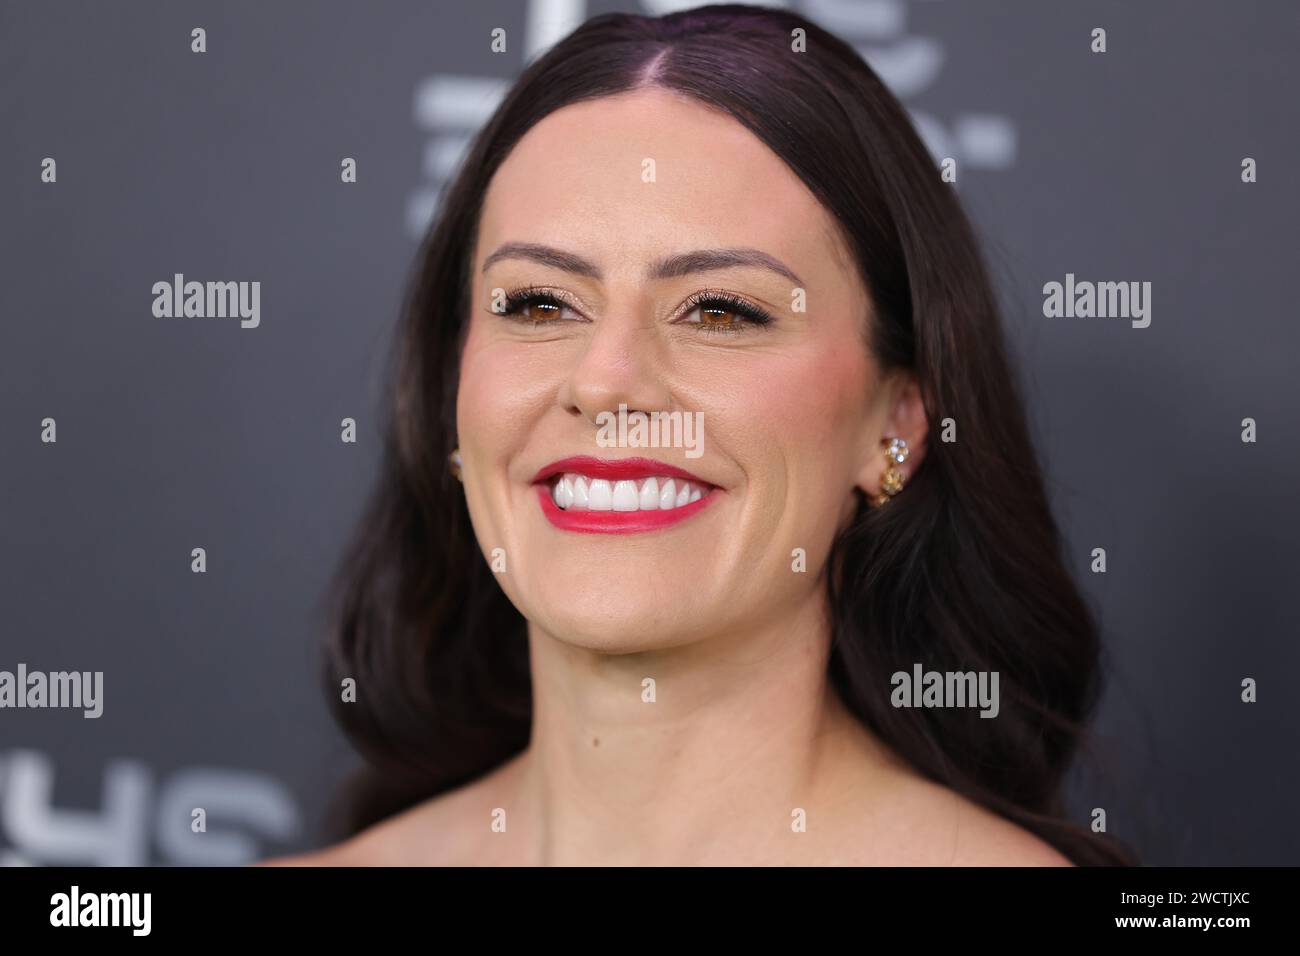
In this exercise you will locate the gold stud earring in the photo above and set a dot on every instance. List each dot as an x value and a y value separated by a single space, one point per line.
454 459
891 479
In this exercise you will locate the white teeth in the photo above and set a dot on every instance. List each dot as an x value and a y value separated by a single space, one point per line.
649 494
599 496
649 500
625 496
668 495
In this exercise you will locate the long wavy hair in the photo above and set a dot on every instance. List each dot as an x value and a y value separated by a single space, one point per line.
962 571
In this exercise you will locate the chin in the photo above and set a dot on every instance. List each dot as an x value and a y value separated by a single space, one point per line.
624 619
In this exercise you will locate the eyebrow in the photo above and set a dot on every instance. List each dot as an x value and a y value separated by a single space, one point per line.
699 260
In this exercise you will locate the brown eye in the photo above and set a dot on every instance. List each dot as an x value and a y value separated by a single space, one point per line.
534 307
719 315
540 310
722 312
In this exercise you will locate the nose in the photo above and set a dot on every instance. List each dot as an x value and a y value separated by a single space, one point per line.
622 364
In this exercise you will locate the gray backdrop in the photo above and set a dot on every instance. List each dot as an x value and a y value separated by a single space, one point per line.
174 434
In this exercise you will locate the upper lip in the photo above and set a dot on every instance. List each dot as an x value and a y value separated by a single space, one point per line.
614 469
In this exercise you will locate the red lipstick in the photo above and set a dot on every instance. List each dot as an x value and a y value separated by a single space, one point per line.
588 521
615 469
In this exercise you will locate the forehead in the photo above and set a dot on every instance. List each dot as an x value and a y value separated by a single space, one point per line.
632 176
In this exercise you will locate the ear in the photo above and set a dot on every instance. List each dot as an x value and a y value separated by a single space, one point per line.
902 415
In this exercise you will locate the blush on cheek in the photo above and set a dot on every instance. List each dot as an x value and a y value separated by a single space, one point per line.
477 392
488 421
492 373
819 399
505 390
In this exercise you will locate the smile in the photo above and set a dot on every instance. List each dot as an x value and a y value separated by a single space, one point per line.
622 496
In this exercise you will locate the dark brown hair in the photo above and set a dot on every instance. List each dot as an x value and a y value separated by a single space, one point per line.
961 572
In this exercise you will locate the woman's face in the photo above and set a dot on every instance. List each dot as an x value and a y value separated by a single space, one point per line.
600 201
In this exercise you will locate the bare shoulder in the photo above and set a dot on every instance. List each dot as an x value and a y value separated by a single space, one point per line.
327 856
987 839
894 816
976 836
446 830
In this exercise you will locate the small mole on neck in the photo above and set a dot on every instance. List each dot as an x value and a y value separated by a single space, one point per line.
595 741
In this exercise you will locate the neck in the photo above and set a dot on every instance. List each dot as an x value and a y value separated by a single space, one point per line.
740 731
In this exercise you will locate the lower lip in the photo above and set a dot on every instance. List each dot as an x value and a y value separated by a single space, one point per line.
615 522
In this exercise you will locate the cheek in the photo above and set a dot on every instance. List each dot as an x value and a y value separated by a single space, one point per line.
501 390
811 417
821 417
837 396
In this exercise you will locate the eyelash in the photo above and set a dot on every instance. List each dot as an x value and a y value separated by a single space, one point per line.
750 314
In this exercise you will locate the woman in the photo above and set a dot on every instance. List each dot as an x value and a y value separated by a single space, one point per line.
562 643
